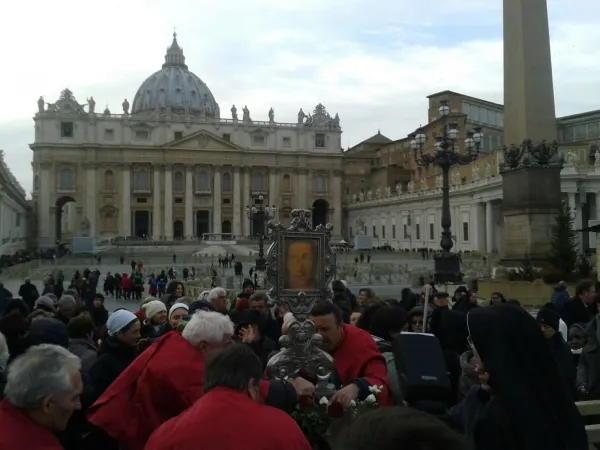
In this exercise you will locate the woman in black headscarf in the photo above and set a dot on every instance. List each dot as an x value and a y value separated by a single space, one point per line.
524 402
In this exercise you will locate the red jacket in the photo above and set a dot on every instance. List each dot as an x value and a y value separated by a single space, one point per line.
225 419
125 282
161 383
356 356
18 432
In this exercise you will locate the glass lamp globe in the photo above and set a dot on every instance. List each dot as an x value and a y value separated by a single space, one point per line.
413 144
420 138
437 146
478 137
453 133
444 110
469 143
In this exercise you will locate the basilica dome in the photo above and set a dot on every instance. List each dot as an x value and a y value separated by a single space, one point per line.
175 87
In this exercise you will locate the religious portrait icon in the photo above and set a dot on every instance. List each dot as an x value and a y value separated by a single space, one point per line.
301 264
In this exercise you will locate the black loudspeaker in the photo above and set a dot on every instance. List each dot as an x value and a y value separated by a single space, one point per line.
421 368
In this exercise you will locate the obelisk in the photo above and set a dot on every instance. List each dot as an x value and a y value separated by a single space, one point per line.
531 192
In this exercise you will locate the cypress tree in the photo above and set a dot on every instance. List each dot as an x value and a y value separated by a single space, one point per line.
564 252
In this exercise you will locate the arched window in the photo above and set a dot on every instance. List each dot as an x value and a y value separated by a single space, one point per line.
141 181
178 182
109 179
257 182
202 183
286 186
66 179
226 183
320 184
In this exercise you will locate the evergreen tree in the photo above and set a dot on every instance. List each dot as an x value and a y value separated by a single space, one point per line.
563 250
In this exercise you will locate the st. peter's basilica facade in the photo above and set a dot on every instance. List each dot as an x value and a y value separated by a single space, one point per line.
170 166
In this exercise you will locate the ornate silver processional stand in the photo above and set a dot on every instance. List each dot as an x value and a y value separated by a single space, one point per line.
301 352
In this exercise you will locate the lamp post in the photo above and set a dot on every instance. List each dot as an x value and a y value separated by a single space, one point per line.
446 153
264 213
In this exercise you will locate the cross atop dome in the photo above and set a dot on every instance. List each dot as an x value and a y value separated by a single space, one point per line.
174 56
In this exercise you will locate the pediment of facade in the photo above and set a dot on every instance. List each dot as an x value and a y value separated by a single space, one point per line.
201 140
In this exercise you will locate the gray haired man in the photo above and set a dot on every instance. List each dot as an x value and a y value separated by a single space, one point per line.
42 392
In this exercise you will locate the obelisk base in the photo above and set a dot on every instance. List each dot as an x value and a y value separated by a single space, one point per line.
531 202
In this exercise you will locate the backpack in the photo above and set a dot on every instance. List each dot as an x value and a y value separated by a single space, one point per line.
422 371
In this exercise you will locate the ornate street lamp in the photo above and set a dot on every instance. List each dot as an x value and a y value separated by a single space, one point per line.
264 213
446 153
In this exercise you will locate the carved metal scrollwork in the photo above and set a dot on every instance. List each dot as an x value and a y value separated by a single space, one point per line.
300 349
529 155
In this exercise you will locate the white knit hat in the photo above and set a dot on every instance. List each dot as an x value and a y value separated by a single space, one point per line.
119 320
177 306
153 308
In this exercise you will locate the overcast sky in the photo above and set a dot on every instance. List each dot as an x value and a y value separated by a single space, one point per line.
373 62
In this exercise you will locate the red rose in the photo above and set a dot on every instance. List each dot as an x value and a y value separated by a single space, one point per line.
335 410
305 401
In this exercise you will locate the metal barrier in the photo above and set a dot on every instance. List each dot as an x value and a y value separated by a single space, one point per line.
586 409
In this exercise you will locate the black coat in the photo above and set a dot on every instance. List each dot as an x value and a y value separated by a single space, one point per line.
113 359
482 422
575 311
29 293
564 358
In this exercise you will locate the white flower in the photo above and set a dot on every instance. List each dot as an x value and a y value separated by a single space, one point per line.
323 401
371 399
352 403
375 390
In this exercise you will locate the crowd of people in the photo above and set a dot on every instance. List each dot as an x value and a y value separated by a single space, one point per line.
183 373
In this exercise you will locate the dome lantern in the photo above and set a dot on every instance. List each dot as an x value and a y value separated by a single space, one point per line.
174 56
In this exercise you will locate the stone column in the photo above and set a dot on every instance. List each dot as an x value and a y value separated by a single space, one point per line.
168 203
572 204
90 197
237 207
273 193
337 204
156 205
217 200
77 219
245 201
43 210
126 201
2 215
489 227
52 224
189 202
301 192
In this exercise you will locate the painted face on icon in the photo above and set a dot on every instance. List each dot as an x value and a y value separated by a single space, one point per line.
300 265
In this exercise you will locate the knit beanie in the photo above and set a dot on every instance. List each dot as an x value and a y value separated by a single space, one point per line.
548 317
153 308
15 304
177 306
119 320
44 302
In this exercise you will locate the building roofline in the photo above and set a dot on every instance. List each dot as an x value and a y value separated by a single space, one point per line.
497 105
579 115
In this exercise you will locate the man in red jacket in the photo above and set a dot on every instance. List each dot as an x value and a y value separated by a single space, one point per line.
229 416
168 378
358 363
